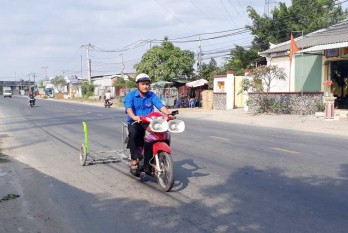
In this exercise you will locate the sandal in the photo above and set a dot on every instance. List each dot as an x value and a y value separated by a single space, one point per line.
134 168
134 165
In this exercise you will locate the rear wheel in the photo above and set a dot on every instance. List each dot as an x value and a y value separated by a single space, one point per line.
83 155
166 176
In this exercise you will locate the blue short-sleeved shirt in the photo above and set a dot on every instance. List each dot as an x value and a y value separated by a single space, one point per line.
141 106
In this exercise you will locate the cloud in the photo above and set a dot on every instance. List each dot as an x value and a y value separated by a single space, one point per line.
37 33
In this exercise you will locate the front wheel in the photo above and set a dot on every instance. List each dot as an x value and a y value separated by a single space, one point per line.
165 177
83 155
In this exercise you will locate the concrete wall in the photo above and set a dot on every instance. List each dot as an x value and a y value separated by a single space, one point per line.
224 88
219 101
306 73
282 85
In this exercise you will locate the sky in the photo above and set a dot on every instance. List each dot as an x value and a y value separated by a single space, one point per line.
50 37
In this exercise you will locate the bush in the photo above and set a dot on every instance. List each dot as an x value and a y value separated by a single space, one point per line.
275 107
88 94
320 105
266 104
87 89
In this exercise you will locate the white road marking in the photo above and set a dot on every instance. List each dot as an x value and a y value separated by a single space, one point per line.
285 150
226 139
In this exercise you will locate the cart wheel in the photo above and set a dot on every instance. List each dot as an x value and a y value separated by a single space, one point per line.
83 155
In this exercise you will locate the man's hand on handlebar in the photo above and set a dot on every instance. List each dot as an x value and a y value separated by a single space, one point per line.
172 114
136 119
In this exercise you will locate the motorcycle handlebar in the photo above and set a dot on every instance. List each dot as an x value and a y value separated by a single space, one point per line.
170 116
173 113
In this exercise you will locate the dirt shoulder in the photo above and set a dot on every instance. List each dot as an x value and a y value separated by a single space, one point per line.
14 214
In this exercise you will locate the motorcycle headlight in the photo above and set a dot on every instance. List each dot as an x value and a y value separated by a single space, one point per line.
176 126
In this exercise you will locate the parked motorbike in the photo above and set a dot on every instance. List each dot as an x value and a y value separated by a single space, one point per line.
158 134
107 103
31 102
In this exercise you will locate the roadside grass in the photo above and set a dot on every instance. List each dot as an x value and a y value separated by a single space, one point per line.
3 159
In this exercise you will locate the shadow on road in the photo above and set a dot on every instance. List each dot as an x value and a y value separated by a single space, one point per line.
250 200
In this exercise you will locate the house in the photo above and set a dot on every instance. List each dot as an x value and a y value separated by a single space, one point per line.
322 55
105 82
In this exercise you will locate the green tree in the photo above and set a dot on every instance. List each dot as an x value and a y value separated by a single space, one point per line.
311 15
166 62
208 71
260 79
87 89
241 59
59 82
120 82
302 15
40 84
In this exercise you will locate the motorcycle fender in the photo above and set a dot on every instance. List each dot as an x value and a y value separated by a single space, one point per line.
161 146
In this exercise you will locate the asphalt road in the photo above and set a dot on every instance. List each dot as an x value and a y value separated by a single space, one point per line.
229 177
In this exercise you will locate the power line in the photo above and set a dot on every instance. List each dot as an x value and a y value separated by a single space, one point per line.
174 15
211 38
199 8
209 33
230 17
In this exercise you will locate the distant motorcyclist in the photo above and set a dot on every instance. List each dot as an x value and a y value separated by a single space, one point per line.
32 97
107 99
107 96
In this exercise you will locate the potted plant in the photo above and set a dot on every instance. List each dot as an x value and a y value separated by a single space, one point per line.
327 87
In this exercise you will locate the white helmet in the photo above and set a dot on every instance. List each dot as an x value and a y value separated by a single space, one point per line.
142 77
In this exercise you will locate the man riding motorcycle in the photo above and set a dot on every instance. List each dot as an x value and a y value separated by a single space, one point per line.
31 97
107 98
140 102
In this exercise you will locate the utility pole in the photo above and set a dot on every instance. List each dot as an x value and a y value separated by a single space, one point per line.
34 81
34 74
122 65
29 83
81 66
199 58
266 10
267 6
88 48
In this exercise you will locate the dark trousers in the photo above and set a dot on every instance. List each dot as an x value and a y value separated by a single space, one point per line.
136 133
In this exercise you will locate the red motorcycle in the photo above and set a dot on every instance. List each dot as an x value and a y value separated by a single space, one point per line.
158 134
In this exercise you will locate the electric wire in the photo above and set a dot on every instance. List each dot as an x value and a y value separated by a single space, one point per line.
174 16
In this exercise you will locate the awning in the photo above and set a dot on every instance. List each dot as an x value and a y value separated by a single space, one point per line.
197 83
161 84
325 47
